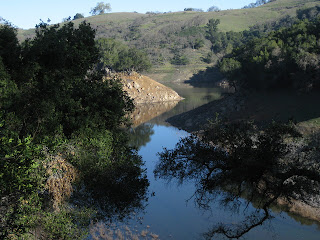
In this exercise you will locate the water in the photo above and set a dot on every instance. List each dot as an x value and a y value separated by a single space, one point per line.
171 211
170 215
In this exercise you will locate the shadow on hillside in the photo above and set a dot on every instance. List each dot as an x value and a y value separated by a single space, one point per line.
209 75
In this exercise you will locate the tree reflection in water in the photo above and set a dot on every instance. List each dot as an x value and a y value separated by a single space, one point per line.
140 135
238 160
113 179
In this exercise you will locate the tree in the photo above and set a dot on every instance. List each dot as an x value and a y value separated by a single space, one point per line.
53 99
193 10
101 8
179 59
287 58
9 47
213 9
212 29
78 16
58 81
119 57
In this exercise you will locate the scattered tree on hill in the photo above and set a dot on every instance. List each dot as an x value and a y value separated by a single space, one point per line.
258 3
213 9
212 30
179 58
78 16
193 10
101 8
66 19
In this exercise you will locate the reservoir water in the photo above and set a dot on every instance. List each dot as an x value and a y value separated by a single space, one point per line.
171 211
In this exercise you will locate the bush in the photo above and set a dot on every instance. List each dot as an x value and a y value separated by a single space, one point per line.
179 60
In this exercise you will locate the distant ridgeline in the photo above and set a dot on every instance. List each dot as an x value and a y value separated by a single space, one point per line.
181 38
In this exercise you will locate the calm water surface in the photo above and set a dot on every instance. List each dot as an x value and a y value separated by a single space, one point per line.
171 211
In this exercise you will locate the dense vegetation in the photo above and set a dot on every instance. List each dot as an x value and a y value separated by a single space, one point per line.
288 57
117 56
61 122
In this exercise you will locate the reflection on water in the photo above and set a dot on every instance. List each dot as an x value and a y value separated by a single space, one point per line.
141 135
171 212
158 113
231 165
146 111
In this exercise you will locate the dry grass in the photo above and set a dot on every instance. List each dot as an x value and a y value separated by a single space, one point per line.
61 176
100 231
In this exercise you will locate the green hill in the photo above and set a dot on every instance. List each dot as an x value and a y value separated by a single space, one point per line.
168 36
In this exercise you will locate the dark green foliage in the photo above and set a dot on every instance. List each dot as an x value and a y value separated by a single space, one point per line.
209 58
179 59
230 68
18 162
191 31
309 13
211 29
8 88
285 58
60 89
111 172
198 43
119 57
52 100
65 224
222 42
9 47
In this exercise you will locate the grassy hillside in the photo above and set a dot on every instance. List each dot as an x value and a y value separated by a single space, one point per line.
168 35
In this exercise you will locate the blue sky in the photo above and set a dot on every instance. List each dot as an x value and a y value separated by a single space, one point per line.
27 13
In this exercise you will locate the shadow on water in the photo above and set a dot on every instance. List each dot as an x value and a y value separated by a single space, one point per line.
240 166
261 107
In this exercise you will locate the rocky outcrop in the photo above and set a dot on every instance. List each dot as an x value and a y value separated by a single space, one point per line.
143 89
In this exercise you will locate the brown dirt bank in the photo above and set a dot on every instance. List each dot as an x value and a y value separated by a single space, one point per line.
143 89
